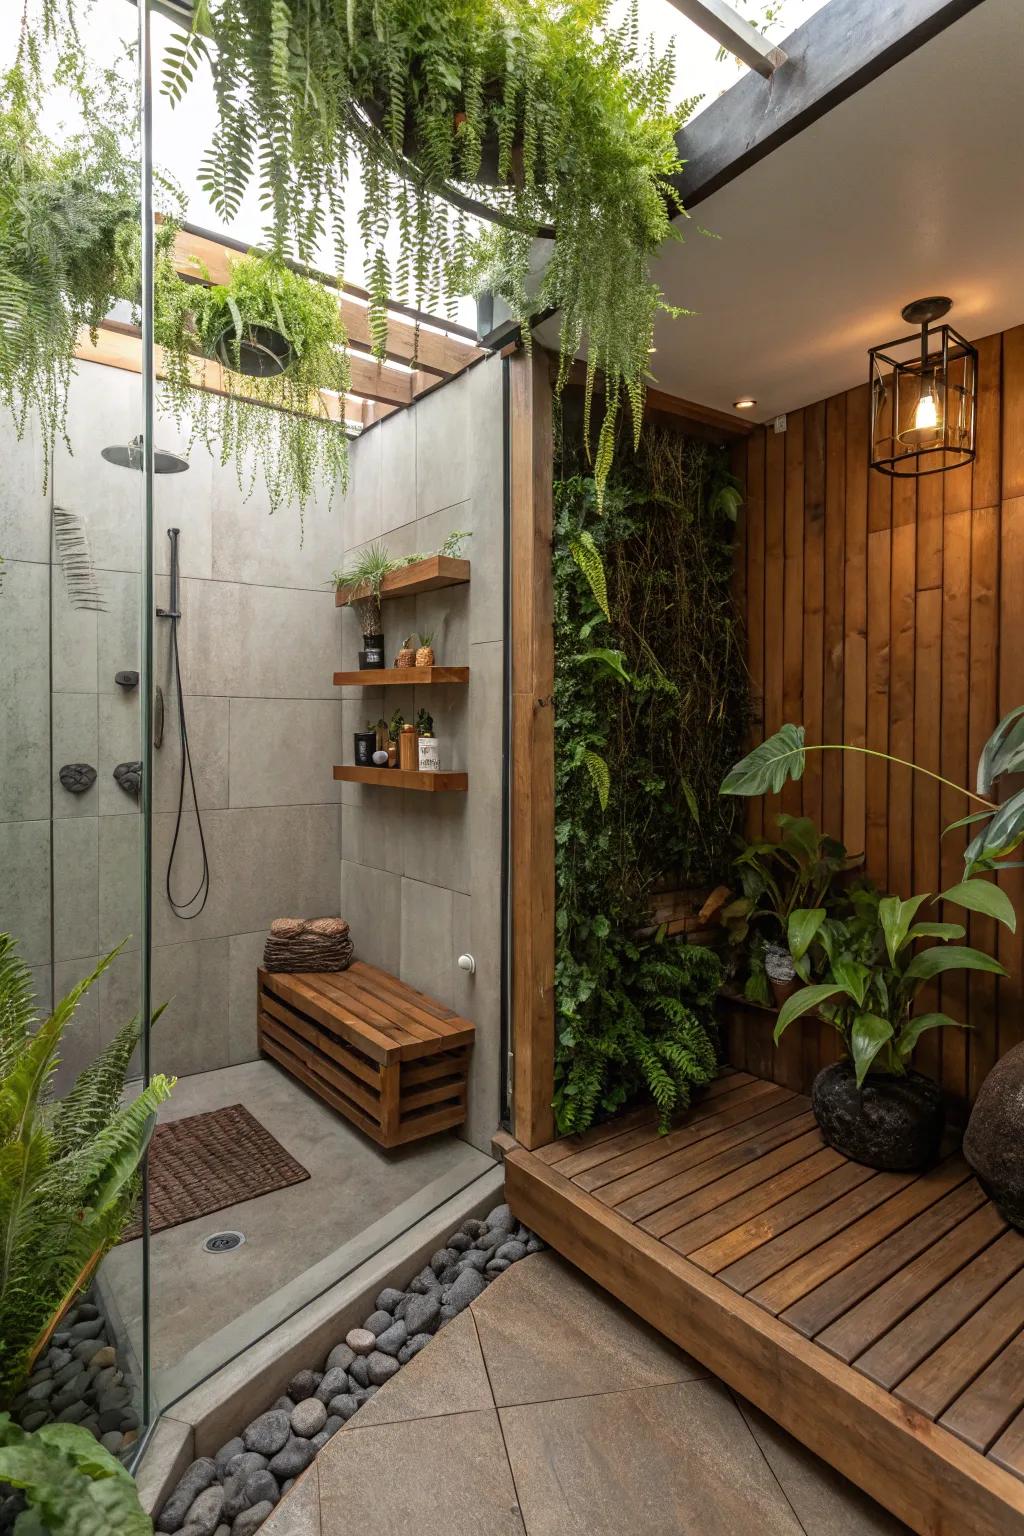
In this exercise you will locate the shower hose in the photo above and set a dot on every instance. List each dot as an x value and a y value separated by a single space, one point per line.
202 890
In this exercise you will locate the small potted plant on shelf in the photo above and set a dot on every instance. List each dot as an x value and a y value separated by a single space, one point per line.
429 751
363 579
425 653
395 725
776 878
407 655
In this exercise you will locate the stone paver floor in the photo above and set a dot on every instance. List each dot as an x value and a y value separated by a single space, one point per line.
547 1409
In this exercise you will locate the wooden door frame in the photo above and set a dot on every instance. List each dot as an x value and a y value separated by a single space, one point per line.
532 739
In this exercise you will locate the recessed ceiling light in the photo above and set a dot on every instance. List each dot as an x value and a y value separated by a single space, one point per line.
744 403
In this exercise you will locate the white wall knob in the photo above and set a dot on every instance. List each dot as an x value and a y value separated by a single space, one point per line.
467 963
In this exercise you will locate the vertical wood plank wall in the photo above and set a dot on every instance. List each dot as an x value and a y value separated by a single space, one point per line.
890 614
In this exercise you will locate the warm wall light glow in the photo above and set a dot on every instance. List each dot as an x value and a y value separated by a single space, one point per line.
744 403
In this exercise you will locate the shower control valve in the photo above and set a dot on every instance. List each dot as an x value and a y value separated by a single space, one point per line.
467 963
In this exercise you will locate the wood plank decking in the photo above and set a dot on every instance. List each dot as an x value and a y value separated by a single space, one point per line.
877 1316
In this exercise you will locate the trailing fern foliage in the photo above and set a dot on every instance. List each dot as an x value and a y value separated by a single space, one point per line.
650 705
545 111
68 1171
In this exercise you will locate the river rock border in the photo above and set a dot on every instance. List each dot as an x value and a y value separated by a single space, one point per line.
232 1493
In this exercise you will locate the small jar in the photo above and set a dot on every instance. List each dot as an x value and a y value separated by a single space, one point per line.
407 758
430 756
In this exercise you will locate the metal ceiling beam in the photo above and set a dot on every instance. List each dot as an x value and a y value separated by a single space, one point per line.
735 34
837 52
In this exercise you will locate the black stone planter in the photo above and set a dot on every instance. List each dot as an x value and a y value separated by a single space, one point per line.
371 657
994 1143
894 1123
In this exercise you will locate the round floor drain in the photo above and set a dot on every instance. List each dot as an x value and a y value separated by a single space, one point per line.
223 1242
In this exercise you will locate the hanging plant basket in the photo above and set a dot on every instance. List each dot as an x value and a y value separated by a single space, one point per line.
259 353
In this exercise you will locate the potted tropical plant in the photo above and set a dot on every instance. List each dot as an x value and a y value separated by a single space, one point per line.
776 879
873 1106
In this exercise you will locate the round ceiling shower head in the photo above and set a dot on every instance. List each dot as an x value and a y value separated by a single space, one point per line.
129 456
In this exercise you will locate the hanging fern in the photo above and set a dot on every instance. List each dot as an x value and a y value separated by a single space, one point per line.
276 430
545 111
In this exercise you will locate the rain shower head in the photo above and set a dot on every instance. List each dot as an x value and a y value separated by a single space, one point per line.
129 456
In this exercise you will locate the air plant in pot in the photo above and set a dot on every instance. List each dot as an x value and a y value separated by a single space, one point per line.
363 580
777 878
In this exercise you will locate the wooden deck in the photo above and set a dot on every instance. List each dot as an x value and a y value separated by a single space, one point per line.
877 1316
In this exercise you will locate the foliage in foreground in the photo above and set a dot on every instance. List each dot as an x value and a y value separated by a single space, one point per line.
68 1169
72 1485
649 707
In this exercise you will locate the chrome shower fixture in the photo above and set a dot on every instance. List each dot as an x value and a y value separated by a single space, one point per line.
129 456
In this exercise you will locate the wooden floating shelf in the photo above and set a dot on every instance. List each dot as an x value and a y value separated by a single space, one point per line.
425 576
404 677
399 778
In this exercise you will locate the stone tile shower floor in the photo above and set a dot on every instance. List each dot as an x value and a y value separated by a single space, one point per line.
547 1409
353 1185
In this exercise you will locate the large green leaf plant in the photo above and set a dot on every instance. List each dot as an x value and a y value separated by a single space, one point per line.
72 1486
68 1168
875 965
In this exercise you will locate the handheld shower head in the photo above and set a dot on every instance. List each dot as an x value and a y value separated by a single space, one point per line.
129 456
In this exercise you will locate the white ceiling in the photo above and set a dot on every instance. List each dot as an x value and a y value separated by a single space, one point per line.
913 186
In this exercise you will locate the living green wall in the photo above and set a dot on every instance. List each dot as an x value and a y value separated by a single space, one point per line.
650 703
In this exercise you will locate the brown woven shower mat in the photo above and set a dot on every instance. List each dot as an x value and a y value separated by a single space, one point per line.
203 1163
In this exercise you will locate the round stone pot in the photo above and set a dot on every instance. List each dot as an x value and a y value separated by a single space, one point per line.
993 1145
894 1123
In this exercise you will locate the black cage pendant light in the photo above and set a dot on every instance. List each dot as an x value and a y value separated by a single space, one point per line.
923 393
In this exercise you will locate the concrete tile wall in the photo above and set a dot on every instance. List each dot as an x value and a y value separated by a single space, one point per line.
420 874
259 641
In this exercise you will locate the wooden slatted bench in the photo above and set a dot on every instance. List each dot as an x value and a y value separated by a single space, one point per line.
879 1317
390 1059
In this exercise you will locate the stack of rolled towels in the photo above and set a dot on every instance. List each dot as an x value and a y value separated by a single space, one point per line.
308 944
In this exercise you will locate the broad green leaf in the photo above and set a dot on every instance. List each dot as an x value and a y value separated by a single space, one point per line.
853 978
802 1002
1004 833
967 821
983 896
803 926
613 662
769 766
932 962
800 834
868 1035
690 798
1003 752
936 931
917 1026
896 917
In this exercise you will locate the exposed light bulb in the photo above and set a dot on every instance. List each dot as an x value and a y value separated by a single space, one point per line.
926 417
